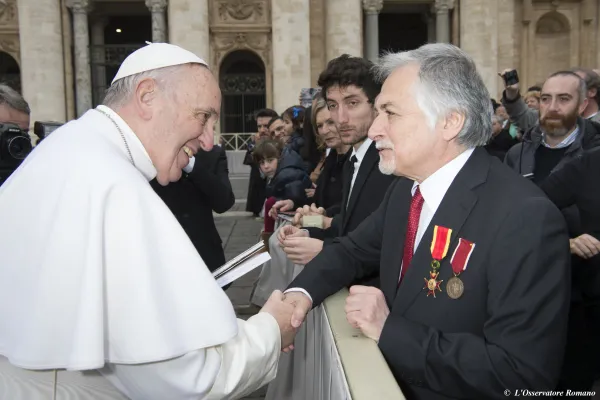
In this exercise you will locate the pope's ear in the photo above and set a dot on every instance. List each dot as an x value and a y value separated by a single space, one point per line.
144 95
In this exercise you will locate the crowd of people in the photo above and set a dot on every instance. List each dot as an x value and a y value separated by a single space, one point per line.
466 230
546 136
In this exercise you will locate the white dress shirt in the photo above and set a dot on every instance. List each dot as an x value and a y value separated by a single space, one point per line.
433 189
360 155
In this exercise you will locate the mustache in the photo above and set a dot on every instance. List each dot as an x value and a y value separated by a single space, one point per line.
384 144
346 128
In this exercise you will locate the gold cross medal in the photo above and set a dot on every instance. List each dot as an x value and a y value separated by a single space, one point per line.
439 249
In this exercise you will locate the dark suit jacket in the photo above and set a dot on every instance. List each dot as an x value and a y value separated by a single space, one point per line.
368 192
193 198
508 329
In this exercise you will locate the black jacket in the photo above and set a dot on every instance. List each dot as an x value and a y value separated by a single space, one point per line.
195 196
290 179
508 330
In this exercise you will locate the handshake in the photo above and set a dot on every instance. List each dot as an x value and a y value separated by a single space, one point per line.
289 310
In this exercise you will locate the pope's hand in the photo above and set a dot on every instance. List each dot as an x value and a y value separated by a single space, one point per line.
367 310
302 305
282 312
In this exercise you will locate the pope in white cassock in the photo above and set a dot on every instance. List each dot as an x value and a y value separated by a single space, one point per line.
102 294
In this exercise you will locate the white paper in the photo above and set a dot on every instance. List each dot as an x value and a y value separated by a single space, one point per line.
243 268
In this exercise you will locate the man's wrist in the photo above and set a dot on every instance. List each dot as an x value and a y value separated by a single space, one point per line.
299 290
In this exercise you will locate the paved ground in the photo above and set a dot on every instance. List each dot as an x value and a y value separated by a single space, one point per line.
239 231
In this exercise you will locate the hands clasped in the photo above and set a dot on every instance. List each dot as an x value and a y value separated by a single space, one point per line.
289 311
299 248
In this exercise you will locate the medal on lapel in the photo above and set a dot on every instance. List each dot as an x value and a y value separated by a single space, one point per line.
439 249
455 286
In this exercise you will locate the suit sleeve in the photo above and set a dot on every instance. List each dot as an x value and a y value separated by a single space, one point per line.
524 335
213 182
348 258
232 370
562 186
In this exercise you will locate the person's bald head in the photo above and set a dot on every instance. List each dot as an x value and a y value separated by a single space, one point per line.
171 109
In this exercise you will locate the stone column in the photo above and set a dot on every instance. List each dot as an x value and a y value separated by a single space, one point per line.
372 9
479 28
99 58
343 35
291 51
159 23
442 20
42 65
188 27
83 75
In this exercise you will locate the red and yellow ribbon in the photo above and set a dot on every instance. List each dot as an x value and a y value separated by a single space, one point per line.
441 242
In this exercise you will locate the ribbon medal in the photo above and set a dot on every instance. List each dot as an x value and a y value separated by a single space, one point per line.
459 261
439 249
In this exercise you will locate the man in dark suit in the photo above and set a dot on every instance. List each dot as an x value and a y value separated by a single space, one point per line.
349 88
192 199
474 291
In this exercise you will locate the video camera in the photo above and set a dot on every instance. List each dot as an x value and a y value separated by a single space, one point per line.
15 145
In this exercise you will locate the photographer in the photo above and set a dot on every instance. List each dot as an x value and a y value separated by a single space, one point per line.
15 142
13 108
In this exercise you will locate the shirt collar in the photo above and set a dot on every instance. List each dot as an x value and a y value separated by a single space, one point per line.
593 115
140 156
362 150
434 188
566 142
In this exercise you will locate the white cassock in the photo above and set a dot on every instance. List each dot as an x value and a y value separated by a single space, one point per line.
99 281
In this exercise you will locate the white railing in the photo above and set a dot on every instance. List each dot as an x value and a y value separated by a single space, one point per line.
235 141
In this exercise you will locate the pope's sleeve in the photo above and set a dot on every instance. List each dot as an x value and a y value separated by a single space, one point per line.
232 370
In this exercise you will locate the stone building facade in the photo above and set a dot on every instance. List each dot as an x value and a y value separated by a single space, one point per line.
265 51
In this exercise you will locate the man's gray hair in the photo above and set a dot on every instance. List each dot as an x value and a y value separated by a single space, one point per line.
13 99
122 90
449 82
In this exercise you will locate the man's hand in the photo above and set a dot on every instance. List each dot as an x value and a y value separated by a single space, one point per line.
301 250
289 231
310 192
585 246
306 210
302 305
367 310
282 312
512 91
281 206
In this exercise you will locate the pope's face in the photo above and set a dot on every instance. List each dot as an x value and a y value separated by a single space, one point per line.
191 113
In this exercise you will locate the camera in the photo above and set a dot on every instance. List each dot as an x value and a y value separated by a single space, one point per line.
511 78
43 129
15 145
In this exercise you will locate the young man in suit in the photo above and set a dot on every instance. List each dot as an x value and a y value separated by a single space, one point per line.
474 292
349 88
203 188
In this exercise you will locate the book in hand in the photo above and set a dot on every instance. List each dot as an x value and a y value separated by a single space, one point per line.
241 264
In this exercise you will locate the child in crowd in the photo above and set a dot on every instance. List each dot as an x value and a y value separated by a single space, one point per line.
286 178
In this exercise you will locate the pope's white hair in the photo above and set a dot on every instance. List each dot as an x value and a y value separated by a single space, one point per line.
448 82
120 92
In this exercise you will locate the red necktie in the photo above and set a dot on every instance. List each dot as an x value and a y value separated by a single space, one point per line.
416 205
